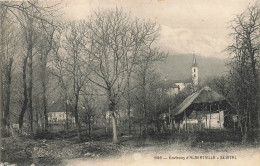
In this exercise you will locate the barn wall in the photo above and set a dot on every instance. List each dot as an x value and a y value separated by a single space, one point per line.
217 120
200 121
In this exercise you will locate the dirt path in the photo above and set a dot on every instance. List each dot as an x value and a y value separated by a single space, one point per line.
175 155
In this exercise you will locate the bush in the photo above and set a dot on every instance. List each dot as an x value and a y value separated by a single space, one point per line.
191 139
43 135
151 131
219 136
213 136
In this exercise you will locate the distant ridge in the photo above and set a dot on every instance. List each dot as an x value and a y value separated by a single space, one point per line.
178 67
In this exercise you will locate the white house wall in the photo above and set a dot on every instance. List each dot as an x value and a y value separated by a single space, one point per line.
216 122
213 121
54 117
181 85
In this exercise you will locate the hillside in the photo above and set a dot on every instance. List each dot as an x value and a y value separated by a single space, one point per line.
178 67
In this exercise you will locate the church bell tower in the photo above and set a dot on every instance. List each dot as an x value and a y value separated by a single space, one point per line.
195 71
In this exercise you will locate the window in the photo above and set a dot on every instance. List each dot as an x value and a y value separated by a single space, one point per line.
194 75
194 70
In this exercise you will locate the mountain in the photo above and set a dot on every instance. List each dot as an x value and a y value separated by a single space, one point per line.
178 67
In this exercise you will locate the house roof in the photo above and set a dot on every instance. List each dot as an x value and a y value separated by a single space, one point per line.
205 95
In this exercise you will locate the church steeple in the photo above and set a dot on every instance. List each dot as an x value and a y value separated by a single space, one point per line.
194 63
195 71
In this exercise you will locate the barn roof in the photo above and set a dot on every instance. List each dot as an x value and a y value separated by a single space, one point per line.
205 95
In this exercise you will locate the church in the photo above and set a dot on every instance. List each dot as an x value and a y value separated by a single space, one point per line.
180 86
195 72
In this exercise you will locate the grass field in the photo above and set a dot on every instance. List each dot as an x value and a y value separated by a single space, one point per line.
64 149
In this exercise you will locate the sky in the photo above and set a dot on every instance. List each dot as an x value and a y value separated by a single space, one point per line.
187 26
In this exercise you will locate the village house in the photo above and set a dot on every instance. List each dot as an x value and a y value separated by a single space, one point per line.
204 109
57 115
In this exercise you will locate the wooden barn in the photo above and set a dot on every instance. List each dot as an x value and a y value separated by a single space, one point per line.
205 109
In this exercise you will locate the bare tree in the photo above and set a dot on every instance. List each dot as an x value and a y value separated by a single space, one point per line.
44 49
3 15
113 42
25 101
29 14
145 67
89 104
244 66
17 9
145 34
76 65
8 60
109 37
221 84
59 68
29 26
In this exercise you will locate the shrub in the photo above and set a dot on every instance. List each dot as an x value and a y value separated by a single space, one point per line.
44 134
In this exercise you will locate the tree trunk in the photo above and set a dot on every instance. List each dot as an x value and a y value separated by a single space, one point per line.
245 133
109 124
186 125
256 84
1 79
66 112
113 118
8 95
29 34
244 138
140 128
89 126
106 124
134 129
45 107
25 102
37 112
1 106
129 115
144 103
77 116
43 60
209 116
128 105
30 88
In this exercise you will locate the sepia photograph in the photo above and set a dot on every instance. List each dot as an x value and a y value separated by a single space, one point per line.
129 82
